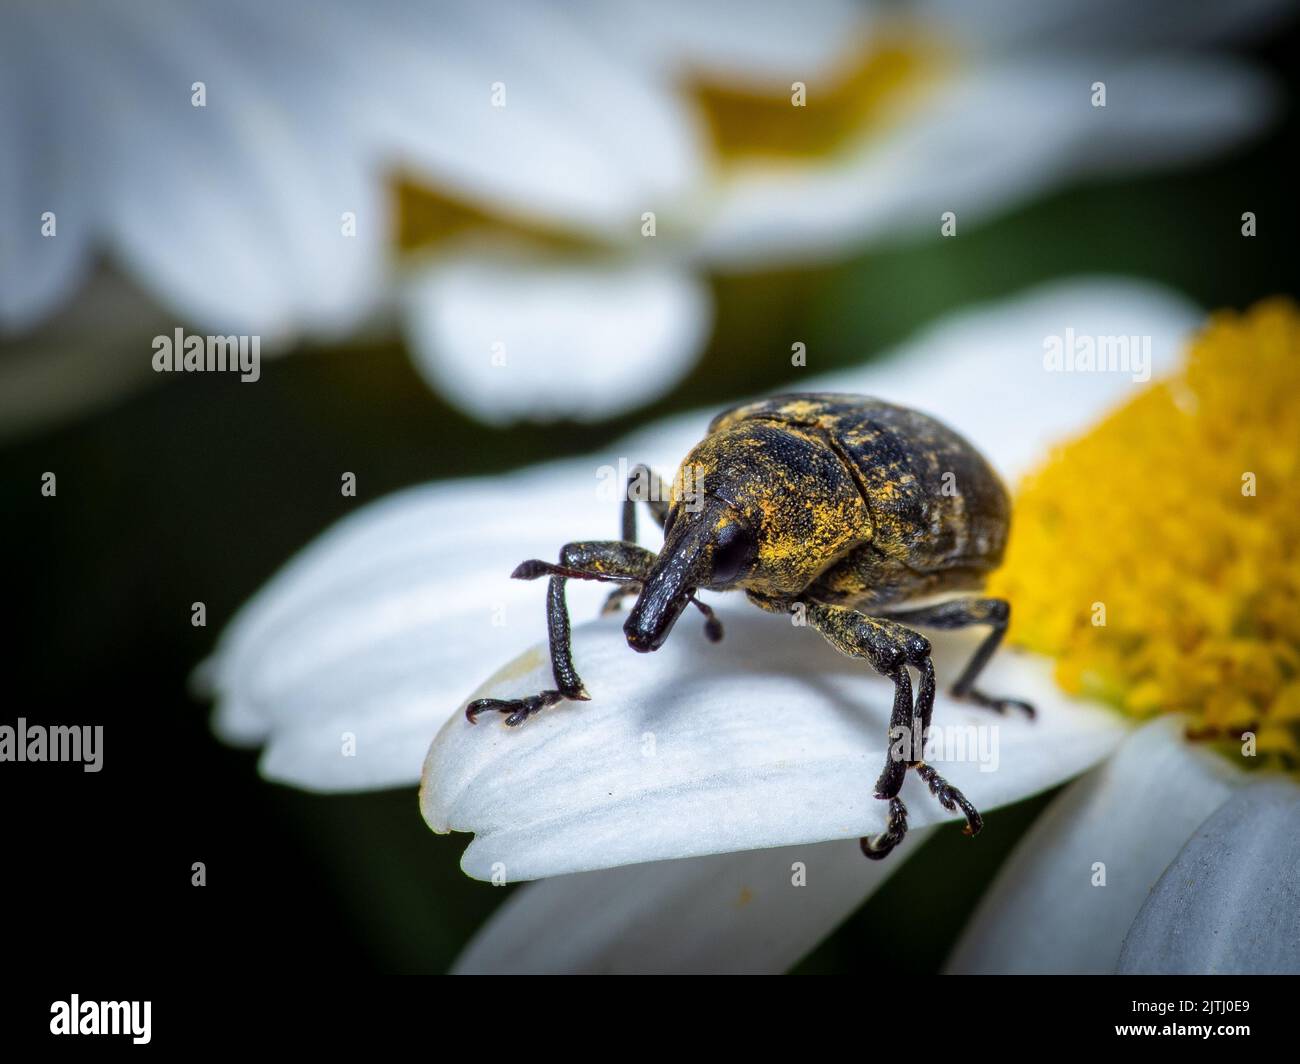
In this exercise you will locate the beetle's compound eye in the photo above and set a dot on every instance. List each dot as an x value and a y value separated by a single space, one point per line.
732 551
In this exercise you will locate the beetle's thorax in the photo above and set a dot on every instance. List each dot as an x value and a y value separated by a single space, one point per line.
792 490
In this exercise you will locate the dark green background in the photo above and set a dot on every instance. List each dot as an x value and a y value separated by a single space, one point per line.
198 488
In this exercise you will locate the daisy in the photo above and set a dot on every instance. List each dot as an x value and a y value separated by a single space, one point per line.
819 129
702 780
1172 856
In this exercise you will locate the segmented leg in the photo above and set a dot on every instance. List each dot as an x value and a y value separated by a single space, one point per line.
962 613
643 485
891 648
603 560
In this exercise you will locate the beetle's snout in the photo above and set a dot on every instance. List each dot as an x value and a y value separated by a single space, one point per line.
667 590
643 639
654 614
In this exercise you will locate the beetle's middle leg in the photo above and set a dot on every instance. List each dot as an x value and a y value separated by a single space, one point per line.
891 648
962 613
647 486
602 560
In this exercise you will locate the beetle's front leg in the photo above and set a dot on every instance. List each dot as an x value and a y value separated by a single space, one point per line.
890 648
604 560
963 613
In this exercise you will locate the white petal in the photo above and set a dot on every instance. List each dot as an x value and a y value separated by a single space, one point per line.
36 270
1044 914
1099 23
738 42
390 614
507 338
769 738
377 627
983 371
583 139
735 913
237 220
1230 901
984 137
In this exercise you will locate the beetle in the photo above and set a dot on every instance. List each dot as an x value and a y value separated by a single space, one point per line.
838 507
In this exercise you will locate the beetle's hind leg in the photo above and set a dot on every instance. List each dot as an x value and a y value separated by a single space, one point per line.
605 560
891 649
963 613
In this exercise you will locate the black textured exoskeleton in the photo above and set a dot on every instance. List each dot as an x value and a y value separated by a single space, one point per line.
841 506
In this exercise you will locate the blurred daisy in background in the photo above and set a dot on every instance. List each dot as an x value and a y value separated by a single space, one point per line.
538 196
762 749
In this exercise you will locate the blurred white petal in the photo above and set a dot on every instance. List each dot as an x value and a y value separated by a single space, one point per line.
84 358
740 42
583 140
985 136
35 270
379 627
506 337
769 738
255 247
1230 901
232 212
1133 814
1113 24
733 912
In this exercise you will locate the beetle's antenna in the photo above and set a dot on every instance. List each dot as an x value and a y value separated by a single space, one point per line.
712 626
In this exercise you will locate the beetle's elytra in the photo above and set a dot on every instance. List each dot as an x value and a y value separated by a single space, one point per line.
841 505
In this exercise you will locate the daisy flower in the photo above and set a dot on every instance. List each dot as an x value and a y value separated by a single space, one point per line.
703 781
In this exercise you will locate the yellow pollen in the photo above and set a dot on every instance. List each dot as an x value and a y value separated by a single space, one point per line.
1157 557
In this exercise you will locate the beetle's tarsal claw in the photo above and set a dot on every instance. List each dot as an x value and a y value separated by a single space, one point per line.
998 705
519 709
876 847
1026 708
951 799
531 569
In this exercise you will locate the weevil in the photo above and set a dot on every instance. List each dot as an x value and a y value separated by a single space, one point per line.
838 507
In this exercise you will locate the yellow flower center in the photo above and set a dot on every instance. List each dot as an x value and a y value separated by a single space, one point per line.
1157 557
